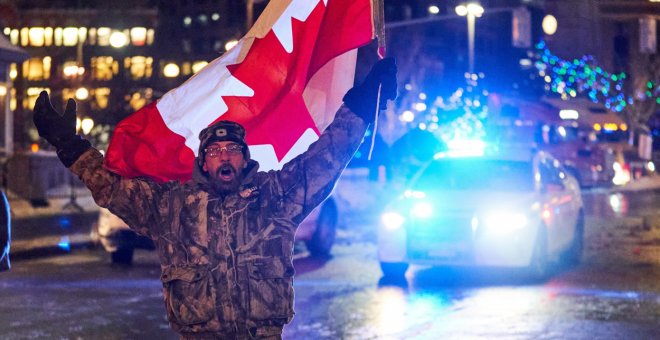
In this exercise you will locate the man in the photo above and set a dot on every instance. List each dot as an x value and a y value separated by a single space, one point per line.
5 232
225 238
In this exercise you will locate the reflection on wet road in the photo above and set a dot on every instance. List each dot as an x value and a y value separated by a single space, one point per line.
603 203
613 294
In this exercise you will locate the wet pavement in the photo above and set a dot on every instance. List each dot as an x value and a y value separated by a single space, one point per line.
605 203
613 294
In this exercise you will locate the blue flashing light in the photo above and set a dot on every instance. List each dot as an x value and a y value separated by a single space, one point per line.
64 243
65 222
463 148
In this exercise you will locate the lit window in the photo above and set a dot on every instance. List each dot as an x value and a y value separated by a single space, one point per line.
186 45
47 63
150 63
141 98
138 36
139 67
70 36
101 96
215 17
187 21
7 31
203 19
13 71
198 66
103 36
137 101
68 93
35 68
14 36
230 44
48 36
186 69
118 39
71 69
25 39
150 36
36 35
91 35
12 99
103 68
32 95
58 36
82 34
171 70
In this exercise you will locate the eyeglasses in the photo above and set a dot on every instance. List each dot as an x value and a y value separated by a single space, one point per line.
232 149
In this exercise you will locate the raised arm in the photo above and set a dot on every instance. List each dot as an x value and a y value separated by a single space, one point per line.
134 200
308 179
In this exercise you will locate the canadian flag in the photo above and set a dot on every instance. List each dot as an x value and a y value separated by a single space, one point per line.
283 82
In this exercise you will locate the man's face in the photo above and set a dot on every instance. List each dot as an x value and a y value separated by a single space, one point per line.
224 163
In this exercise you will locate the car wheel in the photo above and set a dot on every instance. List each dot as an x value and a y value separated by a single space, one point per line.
573 254
394 270
123 255
326 230
538 266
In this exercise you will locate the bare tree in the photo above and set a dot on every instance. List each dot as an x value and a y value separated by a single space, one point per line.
645 87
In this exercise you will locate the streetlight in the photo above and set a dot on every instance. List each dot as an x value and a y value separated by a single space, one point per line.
549 25
472 10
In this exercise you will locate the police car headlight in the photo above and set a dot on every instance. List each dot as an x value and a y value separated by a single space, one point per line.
504 222
422 210
392 220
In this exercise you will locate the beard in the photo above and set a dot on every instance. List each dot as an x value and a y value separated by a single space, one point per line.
227 180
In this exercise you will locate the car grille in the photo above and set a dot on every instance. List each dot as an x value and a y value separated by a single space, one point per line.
445 238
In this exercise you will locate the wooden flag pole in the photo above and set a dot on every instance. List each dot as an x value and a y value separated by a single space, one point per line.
378 9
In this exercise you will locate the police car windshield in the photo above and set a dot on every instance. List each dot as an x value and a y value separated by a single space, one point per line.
477 174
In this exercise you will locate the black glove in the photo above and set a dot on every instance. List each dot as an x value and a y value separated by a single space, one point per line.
362 98
59 130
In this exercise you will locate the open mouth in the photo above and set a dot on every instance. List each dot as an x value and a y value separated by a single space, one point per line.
226 172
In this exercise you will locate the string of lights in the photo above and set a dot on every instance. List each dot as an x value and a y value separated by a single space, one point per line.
458 116
585 76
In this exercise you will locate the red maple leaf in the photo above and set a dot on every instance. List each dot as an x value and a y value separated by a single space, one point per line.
277 114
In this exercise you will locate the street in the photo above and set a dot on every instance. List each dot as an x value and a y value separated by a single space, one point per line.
489 169
613 294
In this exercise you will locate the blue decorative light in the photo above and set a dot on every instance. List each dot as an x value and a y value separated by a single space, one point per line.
584 75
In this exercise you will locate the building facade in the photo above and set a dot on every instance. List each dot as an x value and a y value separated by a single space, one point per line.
113 58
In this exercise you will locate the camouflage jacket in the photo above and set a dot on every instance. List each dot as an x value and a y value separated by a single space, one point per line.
227 262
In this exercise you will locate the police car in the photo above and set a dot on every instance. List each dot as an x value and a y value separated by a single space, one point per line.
476 206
